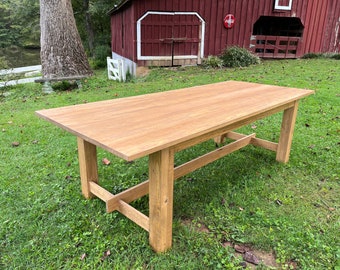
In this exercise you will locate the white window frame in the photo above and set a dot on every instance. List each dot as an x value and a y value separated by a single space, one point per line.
139 36
279 7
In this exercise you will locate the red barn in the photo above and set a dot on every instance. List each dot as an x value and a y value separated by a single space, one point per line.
181 32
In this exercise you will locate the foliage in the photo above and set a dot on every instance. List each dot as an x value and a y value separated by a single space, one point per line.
312 56
288 210
19 23
321 55
98 22
238 57
212 62
7 35
3 63
16 56
101 52
336 56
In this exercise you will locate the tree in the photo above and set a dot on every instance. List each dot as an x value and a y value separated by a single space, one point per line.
62 52
94 24
19 23
89 27
27 18
9 32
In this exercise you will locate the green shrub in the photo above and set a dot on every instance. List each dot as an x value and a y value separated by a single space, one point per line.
212 62
238 57
312 56
321 55
101 52
64 86
336 56
3 63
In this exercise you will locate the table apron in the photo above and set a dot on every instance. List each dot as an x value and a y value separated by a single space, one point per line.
224 130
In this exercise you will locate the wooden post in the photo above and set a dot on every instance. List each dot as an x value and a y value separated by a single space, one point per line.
199 59
161 181
87 154
286 136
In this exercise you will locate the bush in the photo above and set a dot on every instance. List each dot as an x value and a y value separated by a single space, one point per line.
101 52
321 55
3 63
238 57
336 56
312 56
212 62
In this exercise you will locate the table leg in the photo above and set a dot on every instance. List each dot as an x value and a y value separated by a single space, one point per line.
161 182
87 154
286 136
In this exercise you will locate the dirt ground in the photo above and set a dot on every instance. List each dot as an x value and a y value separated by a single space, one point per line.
251 256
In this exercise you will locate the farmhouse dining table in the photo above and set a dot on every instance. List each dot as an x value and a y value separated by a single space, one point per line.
158 125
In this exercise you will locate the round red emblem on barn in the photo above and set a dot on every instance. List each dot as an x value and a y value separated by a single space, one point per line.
229 21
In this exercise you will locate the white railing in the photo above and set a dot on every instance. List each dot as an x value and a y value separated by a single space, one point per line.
27 71
19 70
116 69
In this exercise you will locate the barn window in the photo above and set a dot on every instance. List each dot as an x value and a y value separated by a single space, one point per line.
283 5
276 37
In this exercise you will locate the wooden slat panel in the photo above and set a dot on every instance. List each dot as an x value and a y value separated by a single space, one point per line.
276 46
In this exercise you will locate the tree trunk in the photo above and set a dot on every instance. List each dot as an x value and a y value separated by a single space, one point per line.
89 28
62 52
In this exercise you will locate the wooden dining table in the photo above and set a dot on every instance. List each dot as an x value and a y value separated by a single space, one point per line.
160 124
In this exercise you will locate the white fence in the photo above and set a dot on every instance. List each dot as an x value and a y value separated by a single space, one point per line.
28 71
19 70
116 69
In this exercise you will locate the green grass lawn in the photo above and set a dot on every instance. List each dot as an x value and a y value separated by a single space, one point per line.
286 211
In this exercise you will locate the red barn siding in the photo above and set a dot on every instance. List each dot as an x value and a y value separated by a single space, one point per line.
123 33
332 29
319 18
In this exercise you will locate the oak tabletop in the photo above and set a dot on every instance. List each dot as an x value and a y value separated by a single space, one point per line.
136 126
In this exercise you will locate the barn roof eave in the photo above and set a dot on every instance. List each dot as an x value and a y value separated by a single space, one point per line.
117 8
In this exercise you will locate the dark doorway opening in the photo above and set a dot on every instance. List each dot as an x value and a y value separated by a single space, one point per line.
278 26
277 37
